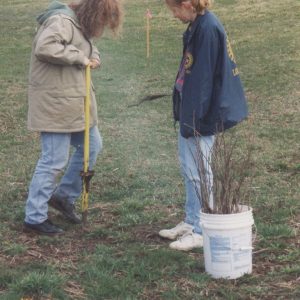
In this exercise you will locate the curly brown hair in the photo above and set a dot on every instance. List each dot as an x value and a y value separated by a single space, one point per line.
199 5
94 15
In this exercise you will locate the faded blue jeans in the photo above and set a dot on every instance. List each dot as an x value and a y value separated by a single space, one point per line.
54 158
187 151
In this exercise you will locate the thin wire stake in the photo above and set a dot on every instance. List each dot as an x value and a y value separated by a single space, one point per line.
148 17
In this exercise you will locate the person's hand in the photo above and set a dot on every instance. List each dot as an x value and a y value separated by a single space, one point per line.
86 62
95 63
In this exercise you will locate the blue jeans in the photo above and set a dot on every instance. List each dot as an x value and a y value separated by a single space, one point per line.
187 149
54 158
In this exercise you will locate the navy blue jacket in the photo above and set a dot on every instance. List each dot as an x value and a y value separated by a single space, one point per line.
213 98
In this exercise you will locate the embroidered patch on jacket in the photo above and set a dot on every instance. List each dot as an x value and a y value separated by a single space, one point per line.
235 70
188 60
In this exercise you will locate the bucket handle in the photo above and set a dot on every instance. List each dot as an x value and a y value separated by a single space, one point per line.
254 236
202 224
242 248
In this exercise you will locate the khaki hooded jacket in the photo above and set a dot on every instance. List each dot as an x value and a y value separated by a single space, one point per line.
57 76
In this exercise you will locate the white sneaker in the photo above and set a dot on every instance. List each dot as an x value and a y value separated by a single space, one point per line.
180 229
188 242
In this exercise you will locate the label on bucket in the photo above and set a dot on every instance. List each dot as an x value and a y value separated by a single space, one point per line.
220 249
241 257
227 253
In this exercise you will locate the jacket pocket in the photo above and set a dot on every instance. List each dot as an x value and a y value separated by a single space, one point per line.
69 110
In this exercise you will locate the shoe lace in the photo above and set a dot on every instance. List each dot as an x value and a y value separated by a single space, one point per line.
185 235
68 206
179 225
49 222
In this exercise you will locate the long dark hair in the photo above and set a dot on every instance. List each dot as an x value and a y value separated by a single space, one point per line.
94 15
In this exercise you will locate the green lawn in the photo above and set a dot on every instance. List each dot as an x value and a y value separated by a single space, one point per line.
137 189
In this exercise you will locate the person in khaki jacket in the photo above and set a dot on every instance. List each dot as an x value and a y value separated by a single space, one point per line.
62 48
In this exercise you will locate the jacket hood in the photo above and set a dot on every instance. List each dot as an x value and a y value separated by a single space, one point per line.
55 8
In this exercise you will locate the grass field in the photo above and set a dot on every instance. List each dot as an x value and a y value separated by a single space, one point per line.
137 189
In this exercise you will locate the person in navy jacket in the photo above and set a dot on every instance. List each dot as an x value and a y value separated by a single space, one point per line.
208 97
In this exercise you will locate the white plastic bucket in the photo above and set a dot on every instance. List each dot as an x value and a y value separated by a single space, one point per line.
227 243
